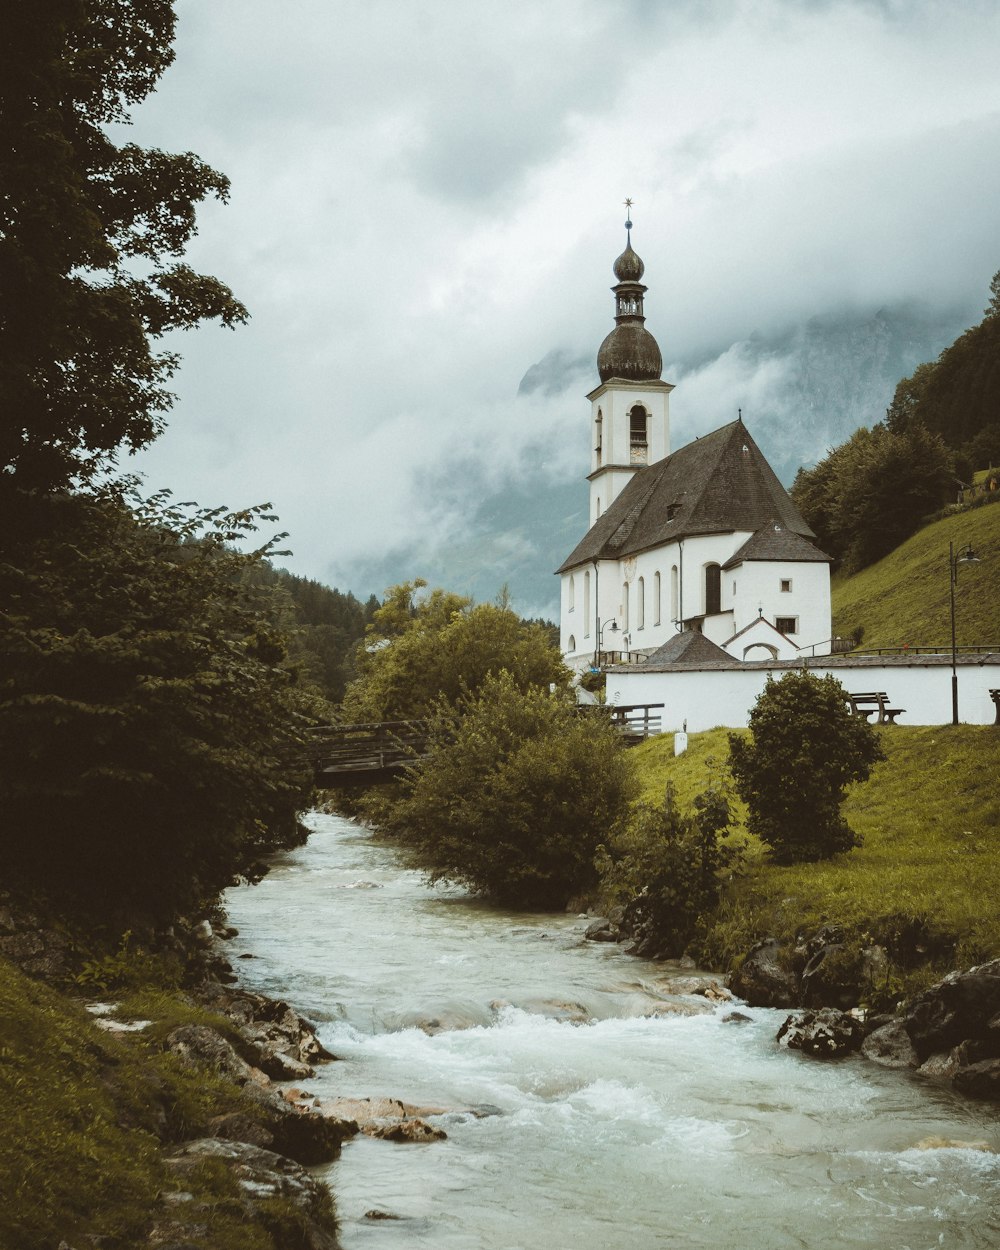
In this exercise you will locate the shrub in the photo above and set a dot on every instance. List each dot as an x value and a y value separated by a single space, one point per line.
664 870
805 748
515 796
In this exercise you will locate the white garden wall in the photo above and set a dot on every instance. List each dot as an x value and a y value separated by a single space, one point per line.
706 698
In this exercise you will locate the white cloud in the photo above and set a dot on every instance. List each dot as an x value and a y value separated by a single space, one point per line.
427 199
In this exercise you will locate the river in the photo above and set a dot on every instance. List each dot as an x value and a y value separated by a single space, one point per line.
624 1121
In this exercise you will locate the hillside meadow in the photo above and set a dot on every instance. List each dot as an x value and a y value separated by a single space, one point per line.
903 599
925 882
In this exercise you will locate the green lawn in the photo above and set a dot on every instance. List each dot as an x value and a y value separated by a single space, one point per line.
927 875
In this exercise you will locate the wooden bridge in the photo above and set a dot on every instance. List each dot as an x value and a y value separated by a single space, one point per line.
366 754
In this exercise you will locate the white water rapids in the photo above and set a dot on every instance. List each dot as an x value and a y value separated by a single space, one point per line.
619 1128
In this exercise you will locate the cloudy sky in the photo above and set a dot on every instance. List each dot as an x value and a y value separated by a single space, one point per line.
427 199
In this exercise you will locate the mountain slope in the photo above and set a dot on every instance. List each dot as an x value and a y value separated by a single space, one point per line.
904 598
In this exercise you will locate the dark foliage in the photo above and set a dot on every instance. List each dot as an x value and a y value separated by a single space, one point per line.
149 720
324 627
805 747
872 492
91 236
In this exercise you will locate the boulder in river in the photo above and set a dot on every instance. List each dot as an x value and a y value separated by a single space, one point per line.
764 978
826 1033
890 1046
964 1006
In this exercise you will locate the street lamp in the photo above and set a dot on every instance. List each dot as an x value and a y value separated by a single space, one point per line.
965 556
613 626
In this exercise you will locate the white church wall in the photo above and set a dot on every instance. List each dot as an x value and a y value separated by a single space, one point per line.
706 699
758 586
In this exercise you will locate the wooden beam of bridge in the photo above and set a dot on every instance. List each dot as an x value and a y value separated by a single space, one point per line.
365 754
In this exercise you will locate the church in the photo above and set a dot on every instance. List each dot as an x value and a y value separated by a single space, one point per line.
693 555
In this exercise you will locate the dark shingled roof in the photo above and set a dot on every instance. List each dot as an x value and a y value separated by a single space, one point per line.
774 542
691 647
715 485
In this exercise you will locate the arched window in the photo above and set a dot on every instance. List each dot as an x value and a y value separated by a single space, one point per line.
640 604
598 507
674 594
571 597
599 436
586 604
656 598
713 589
571 645
637 421
624 612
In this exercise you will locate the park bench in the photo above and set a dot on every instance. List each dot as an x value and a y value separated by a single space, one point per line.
995 696
866 702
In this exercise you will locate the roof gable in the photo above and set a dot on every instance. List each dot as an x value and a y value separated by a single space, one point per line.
716 485
776 542
690 647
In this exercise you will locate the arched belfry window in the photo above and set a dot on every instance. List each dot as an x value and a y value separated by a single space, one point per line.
713 589
638 420
599 437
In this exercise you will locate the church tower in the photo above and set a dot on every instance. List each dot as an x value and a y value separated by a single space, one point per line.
630 417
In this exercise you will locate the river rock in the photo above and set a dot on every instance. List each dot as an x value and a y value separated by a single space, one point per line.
389 1118
890 1046
285 1043
960 1008
703 987
200 1046
736 1017
764 979
979 1080
263 1175
602 930
826 1033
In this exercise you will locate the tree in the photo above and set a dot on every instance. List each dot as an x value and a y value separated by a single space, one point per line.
515 796
419 649
91 236
873 491
663 870
151 728
805 747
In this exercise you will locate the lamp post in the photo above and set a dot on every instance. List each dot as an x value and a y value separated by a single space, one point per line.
965 556
613 626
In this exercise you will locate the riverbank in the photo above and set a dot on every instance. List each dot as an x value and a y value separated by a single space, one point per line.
924 886
152 1116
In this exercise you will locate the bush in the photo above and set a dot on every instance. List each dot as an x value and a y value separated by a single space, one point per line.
805 747
664 870
516 795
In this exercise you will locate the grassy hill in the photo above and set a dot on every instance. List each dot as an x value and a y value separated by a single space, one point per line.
926 881
903 599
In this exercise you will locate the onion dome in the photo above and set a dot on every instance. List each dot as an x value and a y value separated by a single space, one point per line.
629 266
630 351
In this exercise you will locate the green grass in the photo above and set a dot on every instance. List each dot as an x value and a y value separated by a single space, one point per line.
87 1116
925 882
904 598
